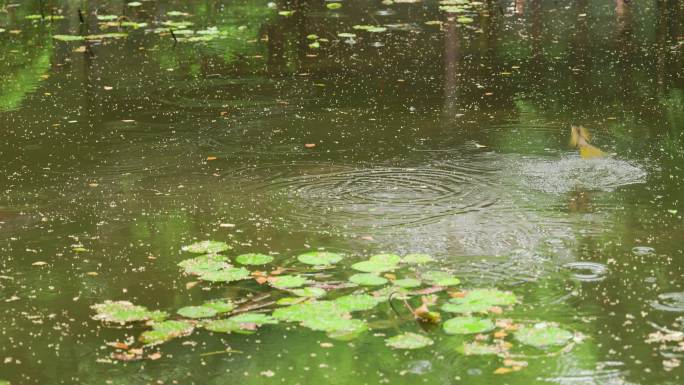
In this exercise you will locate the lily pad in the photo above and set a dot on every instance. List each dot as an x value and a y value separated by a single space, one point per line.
254 318
480 301
107 17
287 301
319 258
346 35
204 264
226 275
543 335
221 306
305 310
68 37
356 302
167 330
417 259
408 341
367 279
313 292
407 282
440 278
464 20
206 247
224 326
467 325
352 331
334 5
123 312
197 312
288 281
330 323
254 259
378 263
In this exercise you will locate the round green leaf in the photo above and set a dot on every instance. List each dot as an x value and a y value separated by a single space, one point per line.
197 312
329 323
408 341
319 258
543 335
221 306
288 281
223 326
253 259
440 278
307 310
356 302
334 5
164 331
416 259
467 325
254 318
367 279
206 247
407 283
313 292
226 275
480 301
123 312
204 264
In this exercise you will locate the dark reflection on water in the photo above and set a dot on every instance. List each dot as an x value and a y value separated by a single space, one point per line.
433 136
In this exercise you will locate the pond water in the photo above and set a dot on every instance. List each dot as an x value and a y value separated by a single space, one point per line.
429 128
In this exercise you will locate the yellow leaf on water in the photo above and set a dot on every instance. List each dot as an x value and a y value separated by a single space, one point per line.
503 370
39 263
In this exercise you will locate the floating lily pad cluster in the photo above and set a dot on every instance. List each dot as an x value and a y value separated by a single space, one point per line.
320 293
465 9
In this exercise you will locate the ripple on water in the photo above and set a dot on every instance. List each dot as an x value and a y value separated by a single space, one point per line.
670 302
567 174
587 271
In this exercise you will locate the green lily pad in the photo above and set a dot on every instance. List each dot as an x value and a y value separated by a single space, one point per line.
417 259
197 311
467 325
288 281
346 35
330 323
46 17
107 17
221 306
134 4
370 28
206 247
167 330
204 264
464 20
334 5
306 310
177 13
480 301
286 301
253 259
224 326
123 312
440 278
352 331
319 258
543 335
286 13
386 258
313 292
378 263
408 341
254 318
367 279
407 282
68 37
356 302
226 275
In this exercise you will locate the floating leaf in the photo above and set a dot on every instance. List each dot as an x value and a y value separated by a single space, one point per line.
356 302
221 306
177 13
330 323
319 258
305 310
407 282
224 326
464 20
334 5
206 247
346 35
416 259
123 311
226 275
197 312
367 279
107 17
164 331
204 264
352 331
312 36
408 341
313 292
47 17
286 13
68 37
289 300
378 263
543 335
287 281
440 278
480 301
134 4
254 318
254 259
467 325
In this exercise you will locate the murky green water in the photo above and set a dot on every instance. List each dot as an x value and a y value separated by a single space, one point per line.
442 138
